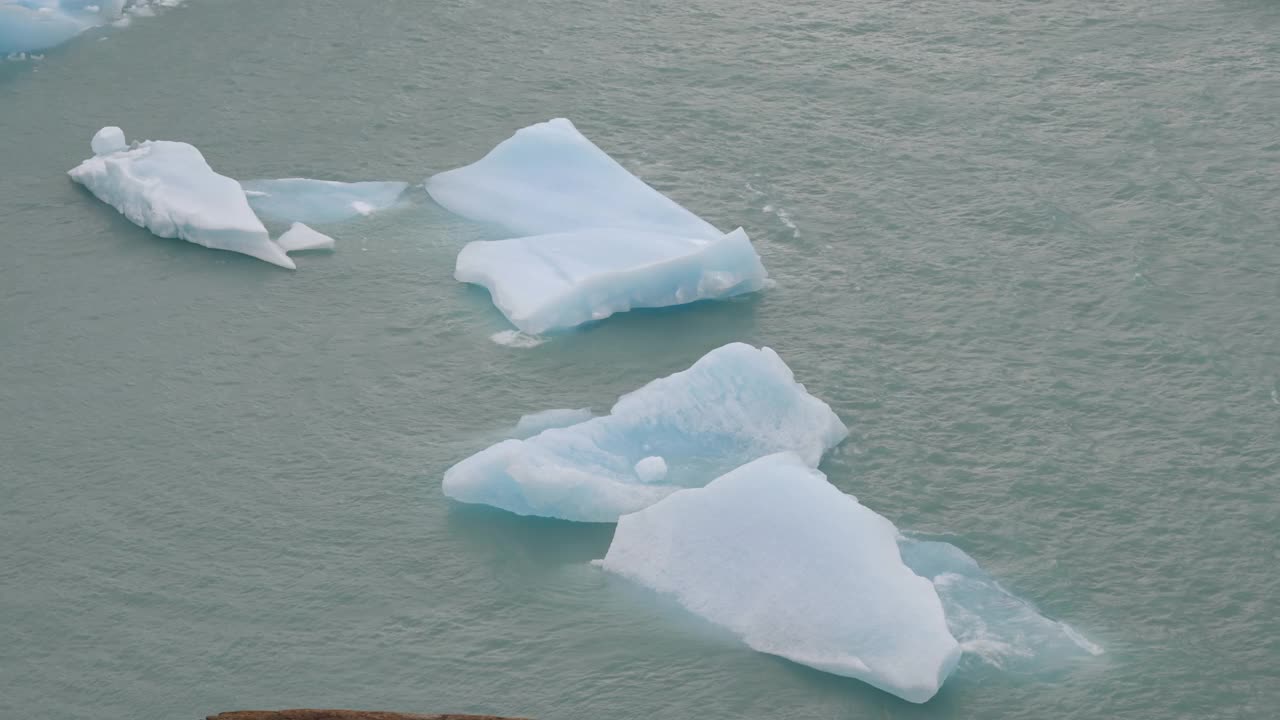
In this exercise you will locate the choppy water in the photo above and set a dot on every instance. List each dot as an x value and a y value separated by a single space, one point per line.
1028 251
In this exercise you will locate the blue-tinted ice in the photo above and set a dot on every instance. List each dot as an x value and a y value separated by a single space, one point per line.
592 239
735 404
319 201
32 25
796 568
992 624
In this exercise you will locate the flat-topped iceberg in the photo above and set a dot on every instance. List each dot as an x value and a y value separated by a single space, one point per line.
319 201
796 568
594 239
553 282
992 624
735 404
549 178
169 189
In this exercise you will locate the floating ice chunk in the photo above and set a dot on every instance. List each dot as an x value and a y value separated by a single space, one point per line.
992 624
108 140
601 240
796 568
548 178
516 339
735 404
319 201
168 188
27 25
300 237
554 282
651 469
534 423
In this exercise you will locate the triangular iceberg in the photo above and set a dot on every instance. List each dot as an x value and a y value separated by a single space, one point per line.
735 404
796 568
168 188
592 239
549 178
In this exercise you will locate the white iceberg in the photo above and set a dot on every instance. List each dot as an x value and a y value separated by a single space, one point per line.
549 178
593 239
319 201
992 624
735 404
300 237
30 25
169 189
796 568
555 282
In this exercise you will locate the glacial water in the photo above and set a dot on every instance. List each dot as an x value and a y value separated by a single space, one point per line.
1029 252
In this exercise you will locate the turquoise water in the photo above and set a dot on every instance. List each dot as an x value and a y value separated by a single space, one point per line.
1028 252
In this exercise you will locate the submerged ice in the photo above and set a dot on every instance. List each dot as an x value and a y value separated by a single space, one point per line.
796 568
319 201
733 405
168 188
991 624
592 239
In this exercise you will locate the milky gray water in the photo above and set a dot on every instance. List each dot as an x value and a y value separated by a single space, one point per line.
1027 251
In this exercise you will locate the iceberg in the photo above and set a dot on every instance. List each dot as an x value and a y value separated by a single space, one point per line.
300 237
319 201
549 178
168 188
780 557
991 624
733 405
591 238
31 25
555 282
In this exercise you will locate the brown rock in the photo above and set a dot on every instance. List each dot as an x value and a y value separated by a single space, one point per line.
342 715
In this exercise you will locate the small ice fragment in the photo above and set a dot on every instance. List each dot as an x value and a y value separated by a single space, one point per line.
108 140
516 339
651 469
300 237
